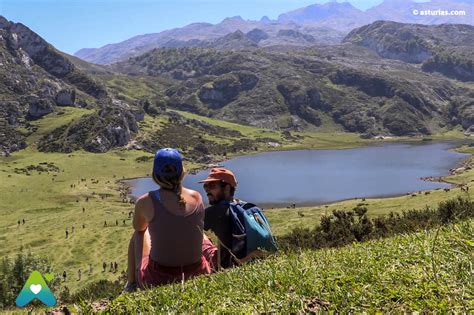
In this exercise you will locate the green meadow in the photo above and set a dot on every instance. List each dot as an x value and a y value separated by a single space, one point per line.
50 190
425 271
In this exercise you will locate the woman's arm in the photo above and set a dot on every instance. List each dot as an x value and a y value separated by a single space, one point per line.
140 225
141 217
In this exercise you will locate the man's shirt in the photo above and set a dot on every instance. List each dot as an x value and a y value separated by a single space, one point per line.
217 219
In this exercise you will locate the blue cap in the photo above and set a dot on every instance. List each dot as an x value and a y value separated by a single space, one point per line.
165 157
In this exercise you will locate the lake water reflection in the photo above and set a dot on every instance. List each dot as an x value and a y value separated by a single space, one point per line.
318 176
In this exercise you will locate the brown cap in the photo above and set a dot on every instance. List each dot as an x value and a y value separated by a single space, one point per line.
221 174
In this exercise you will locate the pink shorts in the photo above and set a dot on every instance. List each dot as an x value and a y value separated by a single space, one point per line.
209 251
151 275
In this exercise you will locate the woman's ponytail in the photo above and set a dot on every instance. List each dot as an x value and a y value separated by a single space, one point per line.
172 183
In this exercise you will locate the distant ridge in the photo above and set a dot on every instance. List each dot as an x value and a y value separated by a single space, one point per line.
328 23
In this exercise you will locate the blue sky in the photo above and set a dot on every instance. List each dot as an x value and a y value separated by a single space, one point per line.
74 24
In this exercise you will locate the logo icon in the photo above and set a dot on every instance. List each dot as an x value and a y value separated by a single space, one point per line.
36 288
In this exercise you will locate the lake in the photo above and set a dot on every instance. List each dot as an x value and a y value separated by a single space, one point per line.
308 177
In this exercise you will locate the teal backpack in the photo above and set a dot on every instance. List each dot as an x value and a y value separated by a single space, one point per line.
250 229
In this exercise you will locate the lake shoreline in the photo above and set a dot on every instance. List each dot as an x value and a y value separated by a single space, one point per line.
128 187
461 167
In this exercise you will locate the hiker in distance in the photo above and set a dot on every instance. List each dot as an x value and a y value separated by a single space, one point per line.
241 227
167 244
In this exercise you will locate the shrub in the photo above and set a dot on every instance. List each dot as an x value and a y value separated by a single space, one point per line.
13 274
344 227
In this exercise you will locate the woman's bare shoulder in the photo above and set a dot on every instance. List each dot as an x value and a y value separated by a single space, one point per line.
194 194
143 199
144 204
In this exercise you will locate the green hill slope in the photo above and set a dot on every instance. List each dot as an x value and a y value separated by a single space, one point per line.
426 271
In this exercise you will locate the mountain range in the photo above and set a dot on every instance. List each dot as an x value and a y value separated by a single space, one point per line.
370 83
384 78
315 24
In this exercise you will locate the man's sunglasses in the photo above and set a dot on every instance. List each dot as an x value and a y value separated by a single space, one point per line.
213 185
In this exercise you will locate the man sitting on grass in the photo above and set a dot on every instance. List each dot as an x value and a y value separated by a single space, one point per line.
220 188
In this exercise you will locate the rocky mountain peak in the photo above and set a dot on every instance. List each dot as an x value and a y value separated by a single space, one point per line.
36 79
318 12
234 18
265 19
238 34
18 36
3 22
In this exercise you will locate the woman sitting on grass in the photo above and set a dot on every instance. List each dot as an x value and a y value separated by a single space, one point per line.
168 242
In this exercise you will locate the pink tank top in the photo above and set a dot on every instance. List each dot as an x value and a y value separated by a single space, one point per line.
175 240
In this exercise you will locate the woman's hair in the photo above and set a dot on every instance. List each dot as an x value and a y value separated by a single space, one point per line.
172 183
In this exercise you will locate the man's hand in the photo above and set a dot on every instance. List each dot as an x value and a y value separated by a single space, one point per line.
255 254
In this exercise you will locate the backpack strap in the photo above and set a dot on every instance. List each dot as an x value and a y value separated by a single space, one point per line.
247 205
231 254
236 202
232 204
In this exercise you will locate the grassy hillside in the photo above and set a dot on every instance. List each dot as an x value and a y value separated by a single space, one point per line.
426 271
64 116
36 186
46 190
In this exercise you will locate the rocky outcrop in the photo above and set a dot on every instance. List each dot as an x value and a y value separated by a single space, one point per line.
467 121
392 40
225 88
10 139
413 43
139 115
257 35
34 79
402 119
247 79
357 120
301 101
369 84
379 86
66 98
467 115
31 48
99 132
11 112
18 36
296 35
453 63
39 107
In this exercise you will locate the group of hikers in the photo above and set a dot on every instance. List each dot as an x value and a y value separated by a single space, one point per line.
169 245
116 222
79 273
113 268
